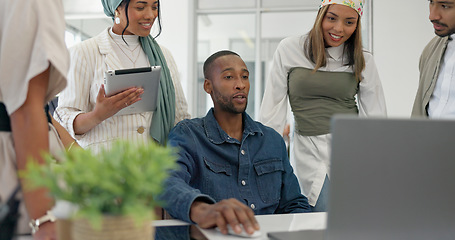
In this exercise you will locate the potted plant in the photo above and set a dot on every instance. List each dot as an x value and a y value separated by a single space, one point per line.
113 190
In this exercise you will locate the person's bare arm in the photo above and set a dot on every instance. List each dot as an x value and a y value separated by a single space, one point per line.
30 135
105 108
228 211
66 138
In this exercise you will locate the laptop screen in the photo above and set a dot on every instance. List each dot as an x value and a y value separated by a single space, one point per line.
391 179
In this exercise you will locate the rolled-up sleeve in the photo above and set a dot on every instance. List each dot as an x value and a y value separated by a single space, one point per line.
74 100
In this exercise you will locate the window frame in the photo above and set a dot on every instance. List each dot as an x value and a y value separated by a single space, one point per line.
195 12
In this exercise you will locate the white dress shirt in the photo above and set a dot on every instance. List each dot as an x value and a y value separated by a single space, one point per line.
311 153
442 101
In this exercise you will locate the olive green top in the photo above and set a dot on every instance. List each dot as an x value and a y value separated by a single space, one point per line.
316 96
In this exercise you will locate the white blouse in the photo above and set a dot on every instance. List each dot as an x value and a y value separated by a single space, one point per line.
310 154
90 60
289 54
31 35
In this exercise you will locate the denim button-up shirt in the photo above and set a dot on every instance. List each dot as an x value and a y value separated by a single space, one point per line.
214 166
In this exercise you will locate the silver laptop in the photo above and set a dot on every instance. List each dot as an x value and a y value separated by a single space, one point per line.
391 179
148 78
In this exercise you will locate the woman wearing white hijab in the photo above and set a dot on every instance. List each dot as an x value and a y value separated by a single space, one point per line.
83 108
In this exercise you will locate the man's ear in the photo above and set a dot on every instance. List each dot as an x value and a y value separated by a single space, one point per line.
208 86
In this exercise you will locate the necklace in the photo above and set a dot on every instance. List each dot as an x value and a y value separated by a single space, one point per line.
132 51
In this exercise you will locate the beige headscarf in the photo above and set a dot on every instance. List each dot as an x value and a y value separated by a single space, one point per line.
357 5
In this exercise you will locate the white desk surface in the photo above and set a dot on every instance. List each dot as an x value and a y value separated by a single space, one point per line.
268 223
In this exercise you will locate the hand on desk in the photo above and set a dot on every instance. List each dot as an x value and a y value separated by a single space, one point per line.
228 211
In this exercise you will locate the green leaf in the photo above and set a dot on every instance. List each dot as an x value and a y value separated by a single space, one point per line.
120 181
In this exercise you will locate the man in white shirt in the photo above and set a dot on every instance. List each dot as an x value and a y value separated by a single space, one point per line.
435 96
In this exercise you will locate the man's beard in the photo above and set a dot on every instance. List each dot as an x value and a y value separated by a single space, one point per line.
226 104
449 32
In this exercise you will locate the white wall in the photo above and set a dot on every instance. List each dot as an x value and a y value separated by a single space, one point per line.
401 30
175 36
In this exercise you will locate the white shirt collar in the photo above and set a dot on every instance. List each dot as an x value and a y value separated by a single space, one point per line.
335 53
451 43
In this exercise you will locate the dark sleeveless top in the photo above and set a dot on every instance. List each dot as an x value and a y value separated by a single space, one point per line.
5 122
316 96
5 125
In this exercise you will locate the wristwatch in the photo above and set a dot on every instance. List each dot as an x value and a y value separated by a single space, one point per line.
36 223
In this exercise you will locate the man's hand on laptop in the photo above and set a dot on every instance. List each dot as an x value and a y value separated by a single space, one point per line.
228 211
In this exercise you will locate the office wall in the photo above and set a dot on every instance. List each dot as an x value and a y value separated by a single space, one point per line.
401 30
175 36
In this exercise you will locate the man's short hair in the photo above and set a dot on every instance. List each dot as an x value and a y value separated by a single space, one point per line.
208 63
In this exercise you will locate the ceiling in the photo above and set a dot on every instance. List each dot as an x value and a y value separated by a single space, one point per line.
83 9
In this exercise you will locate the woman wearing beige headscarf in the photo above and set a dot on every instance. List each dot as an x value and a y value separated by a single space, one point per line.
321 73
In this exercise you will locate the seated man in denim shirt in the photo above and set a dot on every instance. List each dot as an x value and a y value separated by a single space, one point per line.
231 167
